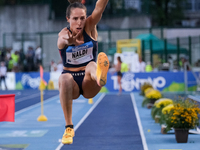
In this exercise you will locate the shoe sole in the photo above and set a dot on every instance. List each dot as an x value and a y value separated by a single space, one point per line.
67 142
102 68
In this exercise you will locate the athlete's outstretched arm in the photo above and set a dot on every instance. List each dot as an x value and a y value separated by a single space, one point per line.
97 12
65 37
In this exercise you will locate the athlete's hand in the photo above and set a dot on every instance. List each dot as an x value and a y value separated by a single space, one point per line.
71 38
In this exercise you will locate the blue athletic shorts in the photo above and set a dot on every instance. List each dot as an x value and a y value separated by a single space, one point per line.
78 78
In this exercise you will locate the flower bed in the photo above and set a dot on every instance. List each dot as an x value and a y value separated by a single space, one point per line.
180 115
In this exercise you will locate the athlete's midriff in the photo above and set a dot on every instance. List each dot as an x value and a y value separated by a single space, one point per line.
75 69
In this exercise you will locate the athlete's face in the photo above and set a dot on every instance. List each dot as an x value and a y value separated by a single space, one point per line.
77 20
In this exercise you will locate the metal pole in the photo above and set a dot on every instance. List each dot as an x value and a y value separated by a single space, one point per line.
150 30
109 38
22 42
151 51
50 9
130 33
123 8
178 52
190 49
4 40
143 50
185 77
41 45
165 49
162 33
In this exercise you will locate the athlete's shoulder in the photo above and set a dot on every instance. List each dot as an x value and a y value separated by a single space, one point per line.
65 29
91 31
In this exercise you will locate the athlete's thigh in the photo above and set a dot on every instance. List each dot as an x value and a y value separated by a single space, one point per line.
68 85
90 88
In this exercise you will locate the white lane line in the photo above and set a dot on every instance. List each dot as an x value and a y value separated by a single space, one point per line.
139 122
194 98
76 101
80 101
27 97
36 105
84 117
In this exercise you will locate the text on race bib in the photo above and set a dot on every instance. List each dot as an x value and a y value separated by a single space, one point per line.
79 54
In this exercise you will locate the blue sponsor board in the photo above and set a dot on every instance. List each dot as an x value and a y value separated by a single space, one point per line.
31 80
132 82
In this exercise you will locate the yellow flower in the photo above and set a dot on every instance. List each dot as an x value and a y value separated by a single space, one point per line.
153 94
167 108
145 86
163 102
148 90
181 114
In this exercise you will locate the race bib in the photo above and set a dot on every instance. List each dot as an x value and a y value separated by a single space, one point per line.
79 54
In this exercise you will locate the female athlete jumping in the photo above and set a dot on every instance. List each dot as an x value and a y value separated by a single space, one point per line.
78 48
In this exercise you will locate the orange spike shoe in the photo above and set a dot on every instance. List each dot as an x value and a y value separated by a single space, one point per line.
68 136
102 68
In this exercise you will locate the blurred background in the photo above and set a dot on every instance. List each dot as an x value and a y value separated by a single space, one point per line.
166 29
158 42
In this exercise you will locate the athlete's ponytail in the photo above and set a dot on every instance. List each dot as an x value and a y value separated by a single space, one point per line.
75 4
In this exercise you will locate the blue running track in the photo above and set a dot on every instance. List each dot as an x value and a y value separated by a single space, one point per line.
111 126
112 122
26 98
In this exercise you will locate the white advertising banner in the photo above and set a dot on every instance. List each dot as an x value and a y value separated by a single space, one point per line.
54 76
10 81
